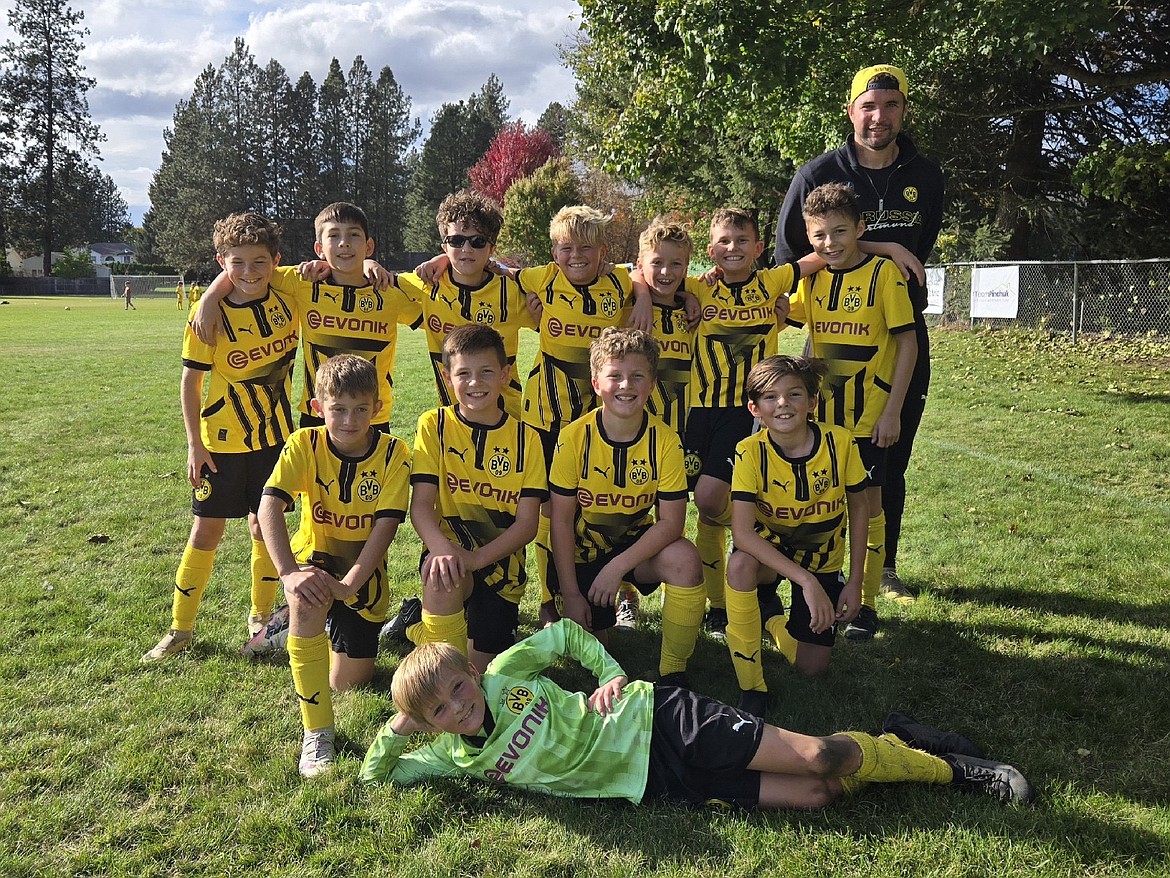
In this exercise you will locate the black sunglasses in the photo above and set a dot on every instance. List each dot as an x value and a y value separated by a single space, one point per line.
457 241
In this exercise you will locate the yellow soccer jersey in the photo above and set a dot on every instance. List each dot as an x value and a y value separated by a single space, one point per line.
800 502
341 498
347 320
852 317
558 389
738 329
498 302
669 400
617 484
246 399
481 473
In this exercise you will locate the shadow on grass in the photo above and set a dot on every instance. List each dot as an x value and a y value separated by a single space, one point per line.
1155 615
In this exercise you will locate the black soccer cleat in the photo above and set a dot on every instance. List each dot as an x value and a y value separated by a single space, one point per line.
997 779
410 613
715 623
929 739
864 626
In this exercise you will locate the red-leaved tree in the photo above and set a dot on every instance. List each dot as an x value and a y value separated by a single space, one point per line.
515 152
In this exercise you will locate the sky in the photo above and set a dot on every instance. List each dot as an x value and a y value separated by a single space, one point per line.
146 56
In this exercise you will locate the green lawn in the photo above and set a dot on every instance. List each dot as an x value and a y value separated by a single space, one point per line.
1036 532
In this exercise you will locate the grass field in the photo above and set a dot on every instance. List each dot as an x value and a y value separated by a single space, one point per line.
1036 532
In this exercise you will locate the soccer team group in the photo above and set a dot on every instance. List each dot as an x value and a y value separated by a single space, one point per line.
648 387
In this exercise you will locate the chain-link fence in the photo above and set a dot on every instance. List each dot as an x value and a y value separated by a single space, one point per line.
1123 297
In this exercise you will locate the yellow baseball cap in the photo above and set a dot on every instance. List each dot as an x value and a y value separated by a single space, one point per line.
878 76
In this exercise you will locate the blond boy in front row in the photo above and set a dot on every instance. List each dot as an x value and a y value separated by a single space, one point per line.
793 483
640 741
618 497
861 323
353 481
234 436
478 482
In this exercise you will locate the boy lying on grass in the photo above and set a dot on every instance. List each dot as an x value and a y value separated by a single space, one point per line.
638 740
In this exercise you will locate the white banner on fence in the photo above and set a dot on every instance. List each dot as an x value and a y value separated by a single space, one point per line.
936 284
995 291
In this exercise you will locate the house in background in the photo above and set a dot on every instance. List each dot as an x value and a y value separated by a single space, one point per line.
29 266
107 254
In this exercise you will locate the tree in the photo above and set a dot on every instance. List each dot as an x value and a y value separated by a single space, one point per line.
669 92
529 207
515 152
382 173
43 92
555 121
74 264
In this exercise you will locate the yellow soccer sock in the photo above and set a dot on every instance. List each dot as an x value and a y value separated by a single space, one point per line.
445 629
416 633
887 759
875 559
743 639
543 546
785 642
711 541
265 580
682 616
190 580
309 659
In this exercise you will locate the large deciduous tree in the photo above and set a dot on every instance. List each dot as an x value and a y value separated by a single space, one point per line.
1010 97
515 152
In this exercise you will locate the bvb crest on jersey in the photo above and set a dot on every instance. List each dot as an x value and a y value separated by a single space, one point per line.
692 464
851 301
910 193
752 296
820 481
368 487
639 474
498 464
485 315
277 317
203 491
609 306
366 303
517 698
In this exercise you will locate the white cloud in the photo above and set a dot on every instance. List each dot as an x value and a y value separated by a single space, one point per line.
145 57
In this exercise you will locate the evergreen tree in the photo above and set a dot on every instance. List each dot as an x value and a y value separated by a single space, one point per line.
333 120
382 174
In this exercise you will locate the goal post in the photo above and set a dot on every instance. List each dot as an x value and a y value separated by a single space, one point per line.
147 286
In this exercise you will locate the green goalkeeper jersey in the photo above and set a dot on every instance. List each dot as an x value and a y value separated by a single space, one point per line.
543 738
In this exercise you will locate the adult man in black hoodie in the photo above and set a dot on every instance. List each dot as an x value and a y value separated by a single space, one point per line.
901 196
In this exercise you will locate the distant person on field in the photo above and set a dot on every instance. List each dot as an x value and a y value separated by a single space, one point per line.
235 429
900 192
619 504
129 297
478 482
641 741
861 323
343 313
794 485
179 296
352 482
461 288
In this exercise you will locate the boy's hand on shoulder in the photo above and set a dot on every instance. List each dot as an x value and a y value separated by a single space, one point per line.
712 275
694 310
207 321
607 695
642 314
535 306
849 602
314 270
887 429
373 271
783 308
312 585
820 608
430 271
198 459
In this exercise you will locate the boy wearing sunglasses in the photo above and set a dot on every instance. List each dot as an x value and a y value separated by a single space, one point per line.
464 291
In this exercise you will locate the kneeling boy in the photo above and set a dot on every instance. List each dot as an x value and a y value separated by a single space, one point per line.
640 741
478 482
792 484
619 496
353 481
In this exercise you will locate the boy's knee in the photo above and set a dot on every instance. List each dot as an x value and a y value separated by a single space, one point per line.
832 757
742 570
